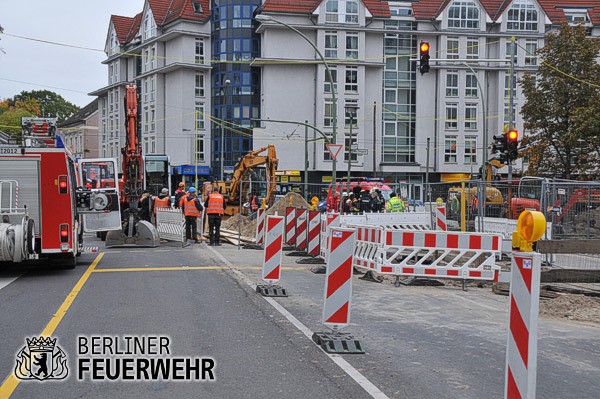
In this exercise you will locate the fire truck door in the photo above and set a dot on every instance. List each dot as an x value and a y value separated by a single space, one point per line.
99 175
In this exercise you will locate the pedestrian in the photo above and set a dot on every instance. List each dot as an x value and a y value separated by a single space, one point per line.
192 208
144 206
180 192
364 201
333 202
395 204
162 201
376 205
215 207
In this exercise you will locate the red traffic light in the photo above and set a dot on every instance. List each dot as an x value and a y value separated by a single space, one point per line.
513 135
424 47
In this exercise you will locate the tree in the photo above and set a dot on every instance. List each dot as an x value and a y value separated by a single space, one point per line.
562 107
10 120
51 104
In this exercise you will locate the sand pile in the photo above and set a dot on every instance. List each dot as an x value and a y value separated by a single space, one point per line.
248 227
572 307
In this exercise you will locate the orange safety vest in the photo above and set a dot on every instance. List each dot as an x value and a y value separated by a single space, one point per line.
254 204
215 204
189 207
161 203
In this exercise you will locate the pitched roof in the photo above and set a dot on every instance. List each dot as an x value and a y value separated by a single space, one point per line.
166 11
81 115
377 8
429 9
122 27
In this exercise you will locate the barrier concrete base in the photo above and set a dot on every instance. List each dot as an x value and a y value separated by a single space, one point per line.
271 290
252 246
338 342
319 270
298 253
418 282
311 261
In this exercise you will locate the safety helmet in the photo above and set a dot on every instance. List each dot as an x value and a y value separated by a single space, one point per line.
181 184
164 191
192 189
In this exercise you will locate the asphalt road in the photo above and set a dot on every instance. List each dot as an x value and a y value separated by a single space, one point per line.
422 342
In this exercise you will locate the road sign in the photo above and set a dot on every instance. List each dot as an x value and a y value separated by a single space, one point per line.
334 149
354 147
361 151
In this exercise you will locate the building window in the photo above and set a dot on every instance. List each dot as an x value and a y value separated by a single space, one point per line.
197 7
348 143
153 57
507 113
351 79
452 84
200 149
452 48
577 16
463 14
507 86
509 46
347 118
199 85
113 43
331 44
352 45
471 150
530 52
451 116
472 48
471 85
327 86
522 15
470 116
450 149
152 119
149 25
153 145
199 115
328 114
344 11
199 51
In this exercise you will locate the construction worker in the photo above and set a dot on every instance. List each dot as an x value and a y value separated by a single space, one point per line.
192 208
395 204
215 207
162 201
144 205
333 202
179 193
254 205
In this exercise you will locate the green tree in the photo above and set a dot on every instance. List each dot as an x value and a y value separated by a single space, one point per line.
10 120
52 105
562 107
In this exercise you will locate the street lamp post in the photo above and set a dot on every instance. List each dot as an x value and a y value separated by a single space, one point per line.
196 151
267 18
227 83
351 111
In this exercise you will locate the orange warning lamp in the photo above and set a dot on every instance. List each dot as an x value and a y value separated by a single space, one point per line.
531 226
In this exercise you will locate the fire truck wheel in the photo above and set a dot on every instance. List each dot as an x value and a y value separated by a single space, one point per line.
31 236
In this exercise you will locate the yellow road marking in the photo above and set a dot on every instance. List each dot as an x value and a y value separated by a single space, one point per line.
179 268
11 382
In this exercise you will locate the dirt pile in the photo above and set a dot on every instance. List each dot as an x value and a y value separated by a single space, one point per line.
572 307
248 226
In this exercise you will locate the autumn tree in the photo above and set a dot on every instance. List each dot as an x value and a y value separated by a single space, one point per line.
562 106
51 104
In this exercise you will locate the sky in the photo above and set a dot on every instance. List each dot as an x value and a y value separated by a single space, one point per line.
70 72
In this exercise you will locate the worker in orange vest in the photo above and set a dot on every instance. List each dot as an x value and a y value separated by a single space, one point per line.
162 201
215 207
192 208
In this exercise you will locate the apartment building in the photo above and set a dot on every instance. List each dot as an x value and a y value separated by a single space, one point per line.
80 132
225 71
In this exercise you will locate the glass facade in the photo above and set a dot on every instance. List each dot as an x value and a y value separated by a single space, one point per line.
399 87
235 85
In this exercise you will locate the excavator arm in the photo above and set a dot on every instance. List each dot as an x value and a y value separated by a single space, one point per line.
249 162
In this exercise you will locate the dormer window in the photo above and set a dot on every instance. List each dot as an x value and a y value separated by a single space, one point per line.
197 7
149 25
463 14
577 17
522 15
113 43
341 11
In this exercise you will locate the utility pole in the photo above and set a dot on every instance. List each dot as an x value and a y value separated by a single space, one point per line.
306 159
511 116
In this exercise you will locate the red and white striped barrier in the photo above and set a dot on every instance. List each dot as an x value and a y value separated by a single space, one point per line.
331 220
290 225
260 226
440 218
338 280
440 254
314 227
521 351
273 251
301 228
366 249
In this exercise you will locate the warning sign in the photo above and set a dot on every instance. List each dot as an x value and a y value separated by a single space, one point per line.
334 149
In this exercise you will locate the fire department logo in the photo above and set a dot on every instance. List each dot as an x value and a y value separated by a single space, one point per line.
41 360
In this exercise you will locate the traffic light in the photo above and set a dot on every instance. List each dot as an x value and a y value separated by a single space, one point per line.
512 146
500 147
424 57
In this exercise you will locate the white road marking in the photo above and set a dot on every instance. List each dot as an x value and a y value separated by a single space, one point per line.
4 281
367 385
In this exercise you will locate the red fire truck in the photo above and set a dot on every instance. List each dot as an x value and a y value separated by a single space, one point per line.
40 197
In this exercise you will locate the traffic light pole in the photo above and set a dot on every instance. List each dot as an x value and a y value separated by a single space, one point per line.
511 117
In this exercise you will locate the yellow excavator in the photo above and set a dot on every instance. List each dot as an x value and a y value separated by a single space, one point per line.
239 184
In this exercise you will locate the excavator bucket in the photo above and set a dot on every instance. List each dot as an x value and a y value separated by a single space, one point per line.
145 235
